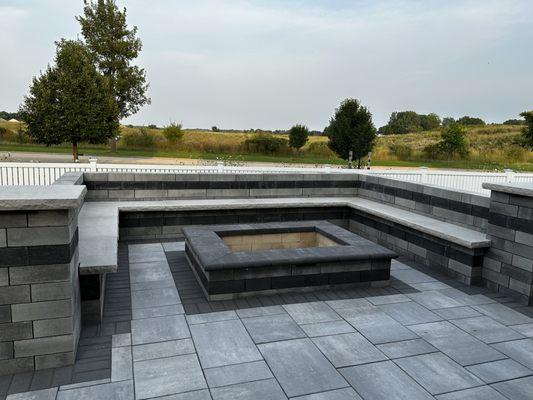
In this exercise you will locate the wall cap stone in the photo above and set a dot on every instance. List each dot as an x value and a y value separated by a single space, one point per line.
520 189
54 197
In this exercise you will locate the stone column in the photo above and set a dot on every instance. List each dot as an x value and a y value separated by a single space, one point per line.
39 285
508 265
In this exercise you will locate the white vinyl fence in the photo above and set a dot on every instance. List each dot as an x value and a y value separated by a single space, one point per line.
12 173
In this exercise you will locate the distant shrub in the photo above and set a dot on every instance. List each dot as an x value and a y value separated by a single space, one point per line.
140 139
298 136
319 149
152 126
452 144
401 151
265 143
514 122
466 120
515 154
173 132
214 129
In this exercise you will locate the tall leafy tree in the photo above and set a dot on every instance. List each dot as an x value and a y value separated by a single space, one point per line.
70 102
528 129
351 129
115 46
298 136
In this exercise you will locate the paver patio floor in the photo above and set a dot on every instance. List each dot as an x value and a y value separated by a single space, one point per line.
422 337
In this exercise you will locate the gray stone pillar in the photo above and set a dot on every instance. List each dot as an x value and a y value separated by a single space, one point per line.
508 265
39 285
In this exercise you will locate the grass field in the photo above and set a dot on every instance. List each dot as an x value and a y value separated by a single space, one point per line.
492 147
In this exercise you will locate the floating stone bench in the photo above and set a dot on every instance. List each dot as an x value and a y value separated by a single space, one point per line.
236 260
453 249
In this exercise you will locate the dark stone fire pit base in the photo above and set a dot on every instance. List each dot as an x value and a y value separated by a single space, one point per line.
232 261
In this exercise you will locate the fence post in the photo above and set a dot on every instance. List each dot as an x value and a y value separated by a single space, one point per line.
509 175
92 164
423 174
220 166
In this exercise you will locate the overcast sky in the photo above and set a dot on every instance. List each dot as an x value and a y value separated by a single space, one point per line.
270 64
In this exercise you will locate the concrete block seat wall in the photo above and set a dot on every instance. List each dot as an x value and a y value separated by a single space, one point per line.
39 287
418 221
508 265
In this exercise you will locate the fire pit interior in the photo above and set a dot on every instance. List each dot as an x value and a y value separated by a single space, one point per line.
235 260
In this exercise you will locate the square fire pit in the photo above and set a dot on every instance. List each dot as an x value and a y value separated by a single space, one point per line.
232 261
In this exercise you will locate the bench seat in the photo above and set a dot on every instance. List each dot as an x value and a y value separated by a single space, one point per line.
99 234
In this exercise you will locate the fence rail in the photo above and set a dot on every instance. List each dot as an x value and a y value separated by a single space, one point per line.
46 173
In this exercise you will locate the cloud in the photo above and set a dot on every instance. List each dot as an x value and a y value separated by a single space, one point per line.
269 64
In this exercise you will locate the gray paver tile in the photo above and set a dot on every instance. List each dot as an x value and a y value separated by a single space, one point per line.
517 389
478 393
45 394
377 326
152 312
327 328
223 343
437 373
349 304
167 283
116 391
503 314
457 312
211 317
348 349
456 344
239 373
429 286
270 328
410 313
84 384
524 329
518 350
260 311
163 349
411 276
339 394
466 299
434 300
486 329
308 313
264 390
203 394
174 246
159 329
154 298
384 381
300 367
497 371
388 299
121 364
149 272
164 376
406 348
121 340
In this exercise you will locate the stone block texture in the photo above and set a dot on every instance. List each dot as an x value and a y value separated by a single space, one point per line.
39 289
508 264
124 186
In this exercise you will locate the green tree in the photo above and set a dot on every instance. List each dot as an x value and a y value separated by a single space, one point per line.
173 132
466 120
447 121
429 122
404 122
453 142
114 46
351 129
528 129
71 101
298 136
